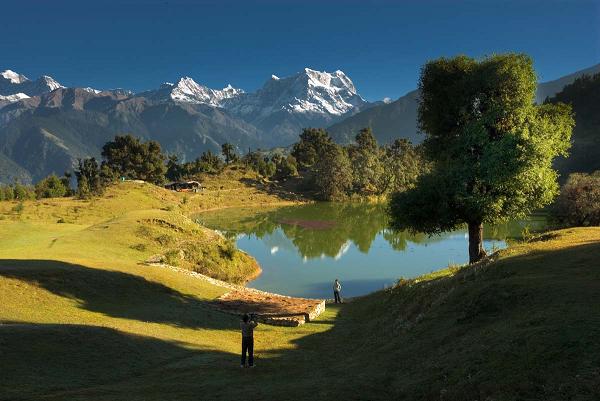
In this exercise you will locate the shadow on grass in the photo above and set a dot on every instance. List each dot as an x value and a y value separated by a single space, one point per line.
117 294
42 360
532 333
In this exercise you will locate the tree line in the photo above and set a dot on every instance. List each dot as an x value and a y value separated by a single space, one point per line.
363 168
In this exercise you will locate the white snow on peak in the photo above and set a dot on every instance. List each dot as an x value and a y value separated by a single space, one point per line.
387 100
186 90
14 98
92 90
308 92
14 77
50 82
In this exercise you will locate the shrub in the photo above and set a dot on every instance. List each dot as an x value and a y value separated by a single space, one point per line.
228 249
164 239
22 192
173 257
579 201
51 187
138 247
18 208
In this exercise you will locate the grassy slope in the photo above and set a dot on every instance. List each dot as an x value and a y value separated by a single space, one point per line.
103 327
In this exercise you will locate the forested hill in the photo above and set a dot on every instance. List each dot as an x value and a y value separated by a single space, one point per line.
584 96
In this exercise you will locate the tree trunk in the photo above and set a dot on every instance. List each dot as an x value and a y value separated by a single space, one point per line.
476 251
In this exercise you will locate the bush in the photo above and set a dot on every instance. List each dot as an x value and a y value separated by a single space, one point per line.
22 192
51 187
7 193
18 208
173 257
228 249
579 201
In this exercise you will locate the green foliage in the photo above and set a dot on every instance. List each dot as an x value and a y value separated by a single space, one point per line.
579 201
92 179
127 156
313 142
403 164
367 167
277 166
51 187
229 153
584 97
286 167
139 247
175 171
209 162
19 207
228 249
7 192
492 148
23 192
333 173
173 257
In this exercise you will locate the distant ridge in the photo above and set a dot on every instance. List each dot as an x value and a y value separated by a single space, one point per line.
551 88
45 127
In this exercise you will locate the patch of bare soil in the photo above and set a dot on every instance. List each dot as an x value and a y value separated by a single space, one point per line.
270 308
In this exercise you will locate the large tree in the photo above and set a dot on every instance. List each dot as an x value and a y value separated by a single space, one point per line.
333 173
366 160
402 165
228 151
491 147
313 141
127 156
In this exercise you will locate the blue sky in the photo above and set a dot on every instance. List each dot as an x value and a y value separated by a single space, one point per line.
381 45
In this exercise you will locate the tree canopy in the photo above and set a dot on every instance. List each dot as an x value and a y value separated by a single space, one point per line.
127 156
491 147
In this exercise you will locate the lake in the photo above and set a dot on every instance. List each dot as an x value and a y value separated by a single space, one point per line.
302 249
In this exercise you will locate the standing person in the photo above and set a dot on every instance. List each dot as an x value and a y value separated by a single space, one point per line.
247 325
337 287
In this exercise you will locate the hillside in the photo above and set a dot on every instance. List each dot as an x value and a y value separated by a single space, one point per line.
48 133
82 319
551 88
584 97
388 121
398 119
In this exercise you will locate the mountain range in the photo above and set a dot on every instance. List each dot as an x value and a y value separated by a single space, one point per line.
45 127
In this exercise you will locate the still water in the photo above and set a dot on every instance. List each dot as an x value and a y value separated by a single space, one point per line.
302 249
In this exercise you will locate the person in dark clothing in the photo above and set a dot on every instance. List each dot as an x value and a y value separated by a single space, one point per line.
337 287
247 326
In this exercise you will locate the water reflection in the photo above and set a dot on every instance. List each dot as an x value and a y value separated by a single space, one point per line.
329 229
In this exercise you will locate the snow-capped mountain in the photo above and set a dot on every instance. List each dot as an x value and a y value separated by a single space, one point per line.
308 91
186 90
283 106
12 83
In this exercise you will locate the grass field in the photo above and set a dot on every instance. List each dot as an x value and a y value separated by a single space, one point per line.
82 319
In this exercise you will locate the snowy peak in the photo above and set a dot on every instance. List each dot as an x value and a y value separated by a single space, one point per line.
14 98
12 83
187 90
14 77
48 82
336 81
308 92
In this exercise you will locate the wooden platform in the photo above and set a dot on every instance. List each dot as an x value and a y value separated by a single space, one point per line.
274 309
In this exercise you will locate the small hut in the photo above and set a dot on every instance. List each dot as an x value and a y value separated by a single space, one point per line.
185 186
